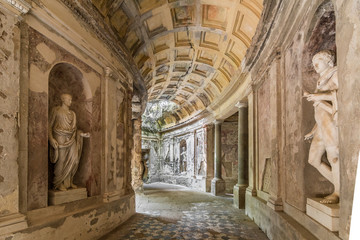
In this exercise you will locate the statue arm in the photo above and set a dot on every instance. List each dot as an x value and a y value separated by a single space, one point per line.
325 96
310 135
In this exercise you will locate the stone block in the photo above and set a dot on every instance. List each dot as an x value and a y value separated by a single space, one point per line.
239 196
326 214
59 197
217 186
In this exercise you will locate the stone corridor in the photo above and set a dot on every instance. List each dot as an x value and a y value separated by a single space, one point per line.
167 211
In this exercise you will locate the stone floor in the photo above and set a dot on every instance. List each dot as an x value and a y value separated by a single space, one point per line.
167 211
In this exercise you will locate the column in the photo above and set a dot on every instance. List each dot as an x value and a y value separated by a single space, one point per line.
209 156
251 189
240 187
136 166
217 184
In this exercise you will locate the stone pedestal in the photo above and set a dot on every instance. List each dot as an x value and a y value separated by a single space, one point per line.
326 214
217 186
70 195
239 195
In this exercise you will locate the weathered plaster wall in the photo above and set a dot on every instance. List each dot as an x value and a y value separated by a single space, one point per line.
229 153
84 220
264 121
348 58
9 112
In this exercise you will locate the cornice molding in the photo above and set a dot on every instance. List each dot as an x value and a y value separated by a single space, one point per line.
218 121
241 105
20 6
108 37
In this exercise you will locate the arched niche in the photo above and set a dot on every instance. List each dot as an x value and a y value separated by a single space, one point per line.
66 78
320 36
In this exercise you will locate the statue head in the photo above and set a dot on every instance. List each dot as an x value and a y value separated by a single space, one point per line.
323 60
66 99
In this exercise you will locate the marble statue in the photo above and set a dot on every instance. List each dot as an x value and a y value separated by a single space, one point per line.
324 135
66 140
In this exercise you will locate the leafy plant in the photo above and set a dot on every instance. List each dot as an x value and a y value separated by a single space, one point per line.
153 119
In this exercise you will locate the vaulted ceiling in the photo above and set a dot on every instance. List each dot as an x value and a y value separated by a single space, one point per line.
188 50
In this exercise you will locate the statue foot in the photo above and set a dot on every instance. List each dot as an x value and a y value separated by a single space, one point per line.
331 199
61 187
73 186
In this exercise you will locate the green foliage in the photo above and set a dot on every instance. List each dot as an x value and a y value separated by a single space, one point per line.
153 119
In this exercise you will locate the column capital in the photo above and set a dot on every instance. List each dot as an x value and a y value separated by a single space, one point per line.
218 121
241 105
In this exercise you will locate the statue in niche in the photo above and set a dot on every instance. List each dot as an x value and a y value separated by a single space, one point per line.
324 135
183 167
67 142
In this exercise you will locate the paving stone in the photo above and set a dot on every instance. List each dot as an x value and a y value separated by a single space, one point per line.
185 214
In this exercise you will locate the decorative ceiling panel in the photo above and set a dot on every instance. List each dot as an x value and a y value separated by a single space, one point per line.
187 51
214 16
183 16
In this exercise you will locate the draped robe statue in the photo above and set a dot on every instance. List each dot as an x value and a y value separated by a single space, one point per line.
324 135
67 143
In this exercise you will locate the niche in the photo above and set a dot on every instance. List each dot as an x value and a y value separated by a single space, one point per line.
321 36
66 78
183 156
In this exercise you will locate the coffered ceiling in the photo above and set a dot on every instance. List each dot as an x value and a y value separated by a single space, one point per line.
187 51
